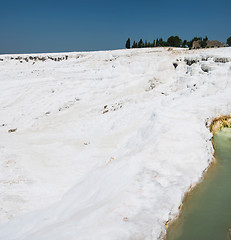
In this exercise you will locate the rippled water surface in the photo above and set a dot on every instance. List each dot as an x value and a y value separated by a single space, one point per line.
206 212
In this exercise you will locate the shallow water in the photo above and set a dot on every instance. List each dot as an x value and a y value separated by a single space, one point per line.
206 212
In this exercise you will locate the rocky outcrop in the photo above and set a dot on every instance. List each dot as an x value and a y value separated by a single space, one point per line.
220 122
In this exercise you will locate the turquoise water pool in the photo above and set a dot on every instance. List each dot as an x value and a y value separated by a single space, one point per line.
206 212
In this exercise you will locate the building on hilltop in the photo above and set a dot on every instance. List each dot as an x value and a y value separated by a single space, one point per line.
196 44
209 44
215 43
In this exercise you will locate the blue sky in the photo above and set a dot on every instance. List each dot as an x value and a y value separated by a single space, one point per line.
55 26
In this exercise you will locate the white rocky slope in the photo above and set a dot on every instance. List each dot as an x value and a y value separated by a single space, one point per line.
107 143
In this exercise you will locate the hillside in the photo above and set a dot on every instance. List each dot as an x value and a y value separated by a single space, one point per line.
104 145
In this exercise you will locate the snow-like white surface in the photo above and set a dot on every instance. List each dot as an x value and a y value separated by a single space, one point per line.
107 143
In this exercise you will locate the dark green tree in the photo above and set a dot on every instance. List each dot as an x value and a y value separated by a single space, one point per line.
146 44
184 43
189 44
140 43
154 43
134 45
229 41
174 41
162 43
128 44
157 42
203 42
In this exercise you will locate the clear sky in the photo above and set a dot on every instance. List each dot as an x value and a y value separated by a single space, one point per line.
68 25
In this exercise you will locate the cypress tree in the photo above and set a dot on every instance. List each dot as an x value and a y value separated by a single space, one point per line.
128 44
203 43
161 43
146 44
140 43
229 41
154 43
157 42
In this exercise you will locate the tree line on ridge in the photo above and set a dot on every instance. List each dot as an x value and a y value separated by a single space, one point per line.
173 41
